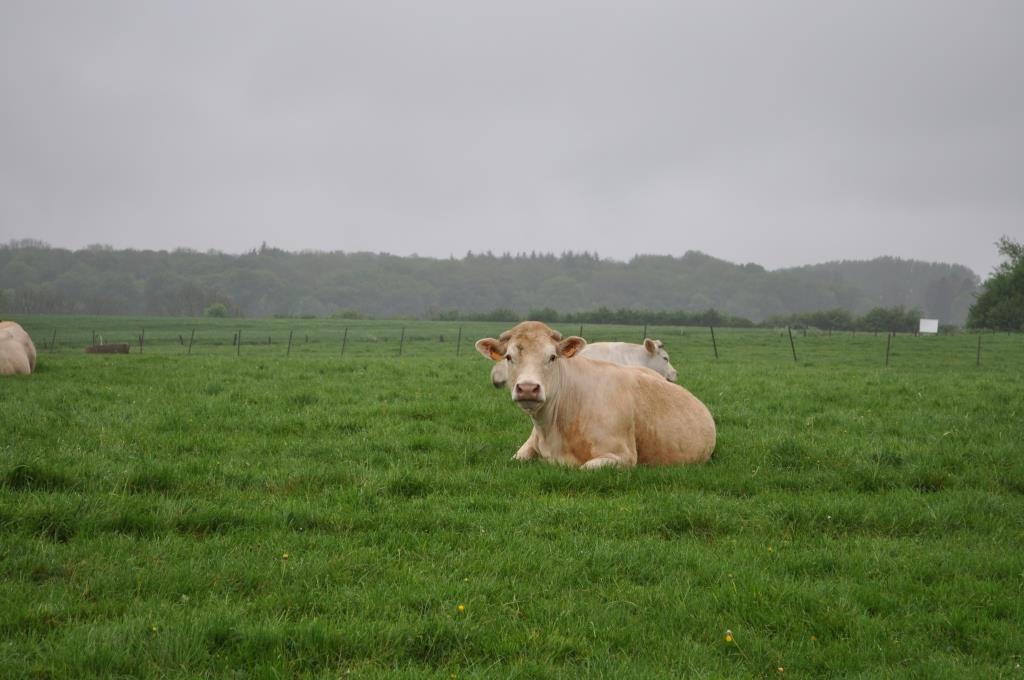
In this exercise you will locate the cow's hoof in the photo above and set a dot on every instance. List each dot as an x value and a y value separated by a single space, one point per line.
596 463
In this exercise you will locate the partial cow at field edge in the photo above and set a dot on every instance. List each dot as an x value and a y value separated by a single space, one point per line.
17 353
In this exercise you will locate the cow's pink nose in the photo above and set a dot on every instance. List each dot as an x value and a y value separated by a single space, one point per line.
527 391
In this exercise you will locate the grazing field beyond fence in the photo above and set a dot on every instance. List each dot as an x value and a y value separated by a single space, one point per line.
343 504
269 338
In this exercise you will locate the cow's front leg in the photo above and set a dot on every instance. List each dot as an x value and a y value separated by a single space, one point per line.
528 450
605 459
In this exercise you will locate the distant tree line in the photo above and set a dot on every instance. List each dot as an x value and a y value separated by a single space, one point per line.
625 316
692 289
896 319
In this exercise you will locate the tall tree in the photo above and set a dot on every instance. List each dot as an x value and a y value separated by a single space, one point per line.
1000 305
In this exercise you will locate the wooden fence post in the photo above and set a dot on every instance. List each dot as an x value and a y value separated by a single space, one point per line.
977 361
888 344
344 341
713 343
289 353
791 345
190 339
401 343
458 342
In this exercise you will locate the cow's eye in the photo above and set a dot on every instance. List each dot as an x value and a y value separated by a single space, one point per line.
552 357
508 358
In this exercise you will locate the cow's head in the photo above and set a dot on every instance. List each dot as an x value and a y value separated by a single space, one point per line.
532 354
499 374
657 359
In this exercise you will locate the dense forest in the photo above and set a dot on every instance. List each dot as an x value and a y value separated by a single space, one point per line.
38 278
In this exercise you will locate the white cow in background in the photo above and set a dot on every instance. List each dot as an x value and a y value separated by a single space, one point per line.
651 354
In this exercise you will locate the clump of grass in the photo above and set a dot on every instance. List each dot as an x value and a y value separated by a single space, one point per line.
36 476
57 524
931 480
207 521
157 479
695 523
790 453
304 399
405 485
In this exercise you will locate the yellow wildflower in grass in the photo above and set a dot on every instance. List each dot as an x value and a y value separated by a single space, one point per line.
461 608
728 635
284 556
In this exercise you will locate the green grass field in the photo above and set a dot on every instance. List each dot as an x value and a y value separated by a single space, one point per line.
243 512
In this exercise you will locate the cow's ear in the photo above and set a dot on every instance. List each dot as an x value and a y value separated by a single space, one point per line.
491 348
650 345
571 346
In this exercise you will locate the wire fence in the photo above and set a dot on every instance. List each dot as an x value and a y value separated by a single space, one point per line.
299 338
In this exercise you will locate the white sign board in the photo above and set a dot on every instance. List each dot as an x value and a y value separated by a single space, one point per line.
929 326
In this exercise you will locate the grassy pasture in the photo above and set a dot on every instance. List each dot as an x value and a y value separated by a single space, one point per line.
245 512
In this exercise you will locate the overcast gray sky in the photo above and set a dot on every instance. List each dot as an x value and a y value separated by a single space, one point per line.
778 132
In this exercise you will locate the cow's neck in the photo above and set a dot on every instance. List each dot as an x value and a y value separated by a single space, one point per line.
562 391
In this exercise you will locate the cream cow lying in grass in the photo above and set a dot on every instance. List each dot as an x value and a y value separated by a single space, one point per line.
591 413
651 354
17 353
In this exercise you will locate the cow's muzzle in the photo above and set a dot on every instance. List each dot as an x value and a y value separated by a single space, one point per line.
528 393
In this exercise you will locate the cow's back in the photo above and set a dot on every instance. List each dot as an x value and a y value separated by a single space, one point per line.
622 353
671 425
